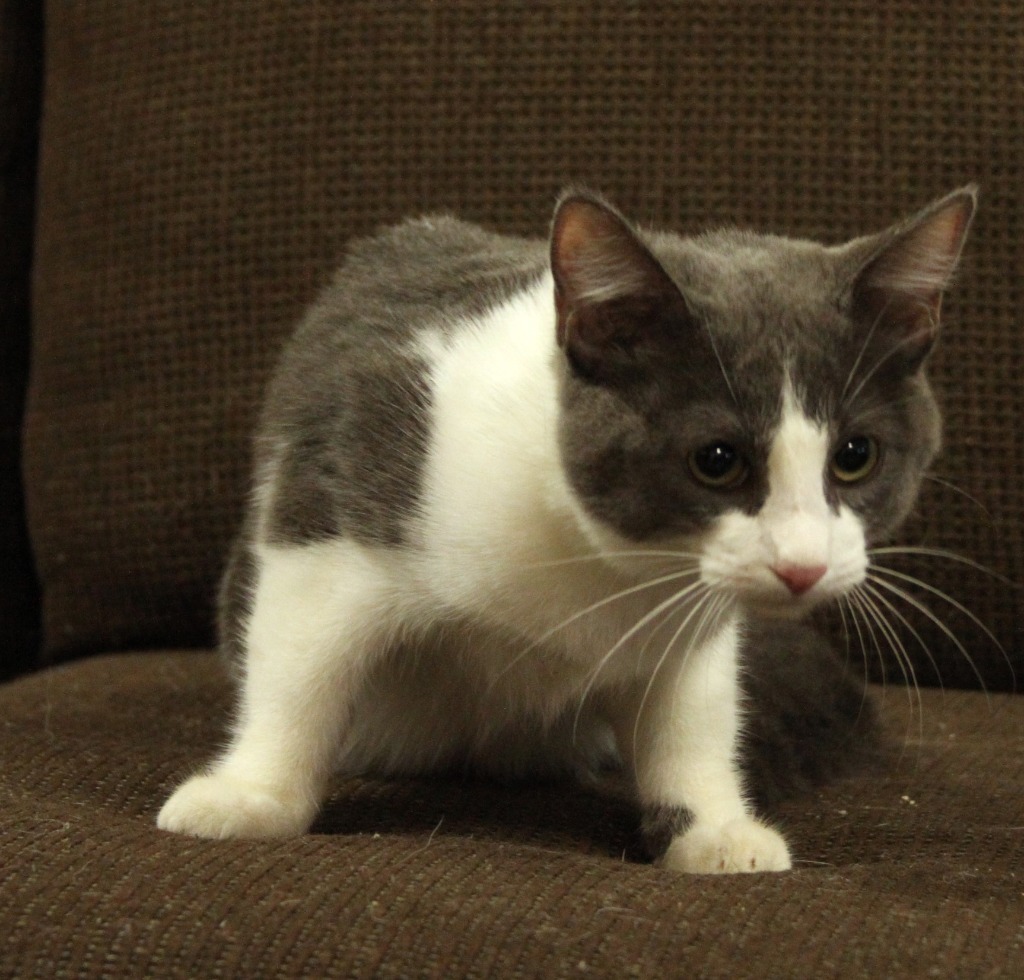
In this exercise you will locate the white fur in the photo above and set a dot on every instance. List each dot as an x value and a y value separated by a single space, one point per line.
922 264
737 846
604 275
795 527
493 639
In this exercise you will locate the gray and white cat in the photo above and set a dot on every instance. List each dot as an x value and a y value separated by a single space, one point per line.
514 499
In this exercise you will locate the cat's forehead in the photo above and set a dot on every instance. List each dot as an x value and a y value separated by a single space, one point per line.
743 277
773 309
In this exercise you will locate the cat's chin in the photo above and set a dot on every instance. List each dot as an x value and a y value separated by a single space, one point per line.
790 612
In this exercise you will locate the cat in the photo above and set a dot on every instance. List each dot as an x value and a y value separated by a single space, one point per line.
525 505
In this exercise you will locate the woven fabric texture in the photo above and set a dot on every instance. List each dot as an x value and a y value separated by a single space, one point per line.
204 165
914 871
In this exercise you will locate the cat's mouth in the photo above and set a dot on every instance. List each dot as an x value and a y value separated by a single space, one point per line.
771 598
775 590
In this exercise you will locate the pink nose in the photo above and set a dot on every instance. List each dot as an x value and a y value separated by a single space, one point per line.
800 578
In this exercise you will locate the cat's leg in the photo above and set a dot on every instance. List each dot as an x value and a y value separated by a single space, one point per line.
318 619
680 737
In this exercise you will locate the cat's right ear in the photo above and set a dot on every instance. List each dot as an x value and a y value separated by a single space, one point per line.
612 296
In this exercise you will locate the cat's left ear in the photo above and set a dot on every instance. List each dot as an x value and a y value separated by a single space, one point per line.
899 288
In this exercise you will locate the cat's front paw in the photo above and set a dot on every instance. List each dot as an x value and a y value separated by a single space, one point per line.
220 806
742 845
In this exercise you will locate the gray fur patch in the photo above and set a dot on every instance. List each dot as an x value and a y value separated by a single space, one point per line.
808 719
660 825
347 422
354 463
234 601
703 355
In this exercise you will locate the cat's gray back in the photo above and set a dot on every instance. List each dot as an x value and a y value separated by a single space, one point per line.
429 272
344 434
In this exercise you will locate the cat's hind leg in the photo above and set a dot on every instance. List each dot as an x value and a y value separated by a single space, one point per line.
320 616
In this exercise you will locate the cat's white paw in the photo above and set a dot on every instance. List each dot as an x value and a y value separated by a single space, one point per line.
742 845
219 806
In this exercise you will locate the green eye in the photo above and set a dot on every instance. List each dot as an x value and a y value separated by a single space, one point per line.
718 465
855 459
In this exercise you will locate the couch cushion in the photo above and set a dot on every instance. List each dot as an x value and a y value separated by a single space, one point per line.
203 167
911 871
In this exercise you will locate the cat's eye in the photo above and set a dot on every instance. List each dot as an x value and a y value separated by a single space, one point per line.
855 459
718 465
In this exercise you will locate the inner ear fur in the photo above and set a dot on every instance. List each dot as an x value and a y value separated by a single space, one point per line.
897 291
611 293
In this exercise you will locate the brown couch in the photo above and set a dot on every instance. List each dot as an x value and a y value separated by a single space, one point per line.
200 168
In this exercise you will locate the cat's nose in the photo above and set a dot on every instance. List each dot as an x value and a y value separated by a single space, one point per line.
799 578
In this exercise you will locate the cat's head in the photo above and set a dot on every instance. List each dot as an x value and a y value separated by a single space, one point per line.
756 401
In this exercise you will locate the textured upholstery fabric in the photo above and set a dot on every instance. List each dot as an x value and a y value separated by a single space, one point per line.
203 166
914 871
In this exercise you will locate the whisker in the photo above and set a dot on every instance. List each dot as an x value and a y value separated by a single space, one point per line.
884 408
593 607
721 365
871 619
873 589
711 621
863 650
666 620
963 493
608 555
856 626
885 357
862 352
846 627
925 611
928 552
631 632
881 660
900 652
959 606
700 604
869 596
857 606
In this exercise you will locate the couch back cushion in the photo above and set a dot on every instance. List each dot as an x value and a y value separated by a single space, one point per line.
204 165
